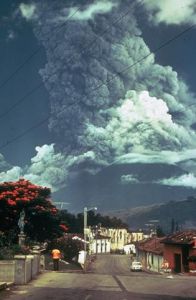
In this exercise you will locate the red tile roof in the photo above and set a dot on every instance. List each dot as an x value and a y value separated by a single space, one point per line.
183 237
152 245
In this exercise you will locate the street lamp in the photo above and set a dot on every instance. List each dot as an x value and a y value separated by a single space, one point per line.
85 224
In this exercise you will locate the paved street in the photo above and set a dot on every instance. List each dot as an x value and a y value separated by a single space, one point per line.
109 278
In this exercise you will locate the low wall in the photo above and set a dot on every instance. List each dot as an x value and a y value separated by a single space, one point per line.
20 270
7 270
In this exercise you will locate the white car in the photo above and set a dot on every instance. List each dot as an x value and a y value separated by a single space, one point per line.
136 266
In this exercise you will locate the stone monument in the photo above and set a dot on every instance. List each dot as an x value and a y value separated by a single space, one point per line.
21 236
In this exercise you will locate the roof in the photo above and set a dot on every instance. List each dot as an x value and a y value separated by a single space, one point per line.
102 237
181 238
152 245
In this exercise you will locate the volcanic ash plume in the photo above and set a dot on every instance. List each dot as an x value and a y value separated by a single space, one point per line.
88 81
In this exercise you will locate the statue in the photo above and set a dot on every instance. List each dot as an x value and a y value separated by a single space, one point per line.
21 221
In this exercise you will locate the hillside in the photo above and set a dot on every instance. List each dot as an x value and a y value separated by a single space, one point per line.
183 212
107 191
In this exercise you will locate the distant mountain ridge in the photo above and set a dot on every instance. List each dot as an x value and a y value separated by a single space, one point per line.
107 191
183 214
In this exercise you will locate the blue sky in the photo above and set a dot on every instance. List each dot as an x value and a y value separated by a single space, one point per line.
100 114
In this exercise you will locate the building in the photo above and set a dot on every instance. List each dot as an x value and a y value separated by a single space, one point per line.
150 253
119 237
129 249
100 244
180 251
137 236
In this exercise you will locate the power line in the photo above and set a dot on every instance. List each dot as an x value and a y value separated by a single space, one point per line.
88 47
146 56
25 132
55 31
122 71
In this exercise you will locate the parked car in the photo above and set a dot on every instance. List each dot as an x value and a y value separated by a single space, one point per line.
136 266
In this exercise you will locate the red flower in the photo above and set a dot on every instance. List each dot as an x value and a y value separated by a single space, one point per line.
11 202
63 227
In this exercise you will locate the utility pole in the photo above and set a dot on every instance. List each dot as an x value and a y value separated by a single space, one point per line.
85 227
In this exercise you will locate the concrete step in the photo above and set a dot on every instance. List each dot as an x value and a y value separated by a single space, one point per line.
9 284
5 285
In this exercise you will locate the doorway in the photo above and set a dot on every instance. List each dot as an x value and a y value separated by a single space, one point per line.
177 263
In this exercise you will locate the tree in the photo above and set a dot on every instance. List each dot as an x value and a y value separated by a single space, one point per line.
76 223
41 216
172 225
69 248
159 231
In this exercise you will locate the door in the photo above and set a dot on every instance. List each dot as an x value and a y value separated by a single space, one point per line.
177 263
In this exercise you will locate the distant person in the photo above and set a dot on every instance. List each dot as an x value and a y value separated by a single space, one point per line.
56 255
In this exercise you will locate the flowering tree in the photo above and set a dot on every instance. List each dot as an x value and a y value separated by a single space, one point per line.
41 216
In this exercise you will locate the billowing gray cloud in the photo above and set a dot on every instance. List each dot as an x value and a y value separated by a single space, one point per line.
103 111
172 12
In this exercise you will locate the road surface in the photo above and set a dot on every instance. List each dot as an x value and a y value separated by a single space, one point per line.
109 278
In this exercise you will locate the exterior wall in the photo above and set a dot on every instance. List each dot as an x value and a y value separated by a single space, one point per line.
149 260
169 251
192 265
137 236
118 238
7 270
154 261
130 248
142 257
101 246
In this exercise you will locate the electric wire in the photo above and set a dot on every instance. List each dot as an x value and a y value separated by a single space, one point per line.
155 50
125 69
86 47
55 31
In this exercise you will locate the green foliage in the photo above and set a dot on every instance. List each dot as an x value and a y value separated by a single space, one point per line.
8 252
41 218
69 248
159 231
76 223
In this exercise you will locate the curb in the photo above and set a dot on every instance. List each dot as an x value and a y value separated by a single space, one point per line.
5 285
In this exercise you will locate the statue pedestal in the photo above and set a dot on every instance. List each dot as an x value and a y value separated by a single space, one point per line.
21 239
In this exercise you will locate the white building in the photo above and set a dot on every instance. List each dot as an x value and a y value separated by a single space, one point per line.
100 244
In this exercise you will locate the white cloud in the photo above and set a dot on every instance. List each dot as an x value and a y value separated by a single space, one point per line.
138 124
172 11
48 168
12 174
187 180
91 10
27 10
165 157
129 178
